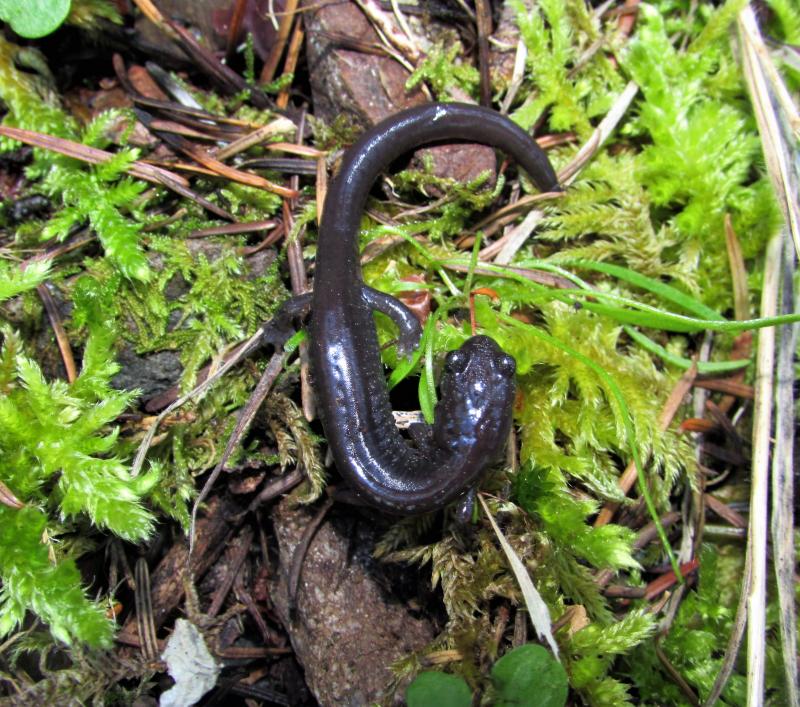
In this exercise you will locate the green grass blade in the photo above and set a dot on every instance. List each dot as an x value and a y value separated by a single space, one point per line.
704 367
666 292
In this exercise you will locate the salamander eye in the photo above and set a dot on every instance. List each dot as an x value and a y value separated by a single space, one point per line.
456 361
506 365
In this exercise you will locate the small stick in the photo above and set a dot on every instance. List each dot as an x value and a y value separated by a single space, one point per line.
230 229
152 13
238 557
93 155
245 418
243 596
724 385
224 75
724 511
297 273
277 487
385 26
675 675
204 158
600 135
256 137
248 347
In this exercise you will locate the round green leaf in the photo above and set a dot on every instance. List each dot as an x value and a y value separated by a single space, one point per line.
434 689
529 676
34 18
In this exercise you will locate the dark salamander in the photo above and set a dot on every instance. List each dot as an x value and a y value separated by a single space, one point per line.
474 414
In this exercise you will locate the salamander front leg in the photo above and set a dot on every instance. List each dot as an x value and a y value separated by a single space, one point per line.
463 506
407 323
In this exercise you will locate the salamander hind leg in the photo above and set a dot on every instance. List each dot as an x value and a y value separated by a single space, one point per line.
278 330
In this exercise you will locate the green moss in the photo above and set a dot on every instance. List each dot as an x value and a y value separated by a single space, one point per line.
58 456
443 71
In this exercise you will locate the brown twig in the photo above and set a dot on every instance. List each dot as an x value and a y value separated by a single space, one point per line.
256 137
224 76
299 280
277 487
269 636
668 579
675 675
93 155
724 511
726 385
204 158
241 351
230 229
261 391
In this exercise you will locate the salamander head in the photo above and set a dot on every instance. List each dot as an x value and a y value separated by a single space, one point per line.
477 396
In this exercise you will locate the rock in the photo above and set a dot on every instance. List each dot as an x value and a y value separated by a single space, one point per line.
371 87
151 374
346 630
368 87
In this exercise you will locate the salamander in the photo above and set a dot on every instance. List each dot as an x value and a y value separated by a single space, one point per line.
474 413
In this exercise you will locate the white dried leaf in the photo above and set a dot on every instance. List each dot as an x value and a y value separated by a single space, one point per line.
190 664
537 609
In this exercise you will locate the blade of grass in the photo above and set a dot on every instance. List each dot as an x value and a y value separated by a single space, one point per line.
629 310
666 292
759 480
407 365
427 385
703 367
782 525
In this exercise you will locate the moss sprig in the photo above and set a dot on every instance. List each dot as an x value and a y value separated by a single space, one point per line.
57 444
